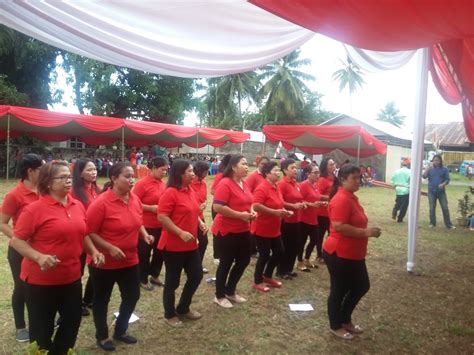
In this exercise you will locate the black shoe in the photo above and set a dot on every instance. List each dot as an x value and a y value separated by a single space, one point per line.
284 277
293 274
124 338
107 345
85 311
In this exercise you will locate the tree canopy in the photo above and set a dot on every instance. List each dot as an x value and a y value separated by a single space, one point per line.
391 114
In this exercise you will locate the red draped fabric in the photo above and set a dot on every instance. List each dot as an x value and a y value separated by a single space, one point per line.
395 26
323 139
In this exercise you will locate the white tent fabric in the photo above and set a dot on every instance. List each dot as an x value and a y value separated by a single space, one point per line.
194 38
373 61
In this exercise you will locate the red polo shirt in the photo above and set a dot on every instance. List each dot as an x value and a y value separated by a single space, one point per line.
200 188
182 207
91 195
254 180
324 186
345 208
216 182
118 223
290 192
266 225
230 194
53 229
310 193
149 191
16 200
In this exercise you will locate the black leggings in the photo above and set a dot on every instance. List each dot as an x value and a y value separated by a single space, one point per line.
234 253
290 235
312 231
89 290
104 281
203 242
349 283
150 266
18 296
176 262
266 264
43 304
323 227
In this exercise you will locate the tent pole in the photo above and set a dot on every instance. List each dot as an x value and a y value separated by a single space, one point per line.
417 154
123 143
197 144
358 150
8 147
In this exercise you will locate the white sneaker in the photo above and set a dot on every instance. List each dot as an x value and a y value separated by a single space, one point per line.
223 302
452 227
236 298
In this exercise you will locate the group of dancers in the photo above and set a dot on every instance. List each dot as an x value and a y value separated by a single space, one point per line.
125 232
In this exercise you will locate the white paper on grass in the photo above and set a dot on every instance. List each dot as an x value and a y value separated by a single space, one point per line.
303 307
133 317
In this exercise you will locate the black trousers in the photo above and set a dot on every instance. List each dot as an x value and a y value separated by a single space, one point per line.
313 233
290 235
270 251
203 242
18 296
323 227
104 281
176 262
401 206
89 290
150 258
349 283
234 252
43 304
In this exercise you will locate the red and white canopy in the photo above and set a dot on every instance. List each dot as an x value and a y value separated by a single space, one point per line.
352 140
56 126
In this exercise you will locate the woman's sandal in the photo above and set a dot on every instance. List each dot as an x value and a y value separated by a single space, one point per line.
345 336
354 329
261 287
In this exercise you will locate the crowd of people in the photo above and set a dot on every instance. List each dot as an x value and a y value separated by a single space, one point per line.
125 232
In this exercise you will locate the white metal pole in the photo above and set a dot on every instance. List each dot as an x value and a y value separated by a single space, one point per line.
417 154
358 150
8 147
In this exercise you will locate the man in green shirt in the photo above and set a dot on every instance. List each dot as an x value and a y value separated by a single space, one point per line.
401 182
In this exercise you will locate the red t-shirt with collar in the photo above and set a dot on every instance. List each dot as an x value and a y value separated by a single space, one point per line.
230 194
118 223
310 193
324 186
91 195
182 207
265 225
149 191
344 207
254 180
290 192
16 200
200 188
216 182
54 229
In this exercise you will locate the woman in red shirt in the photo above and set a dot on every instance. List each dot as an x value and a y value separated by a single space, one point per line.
233 204
201 169
268 204
50 234
290 227
13 204
344 252
309 217
149 190
85 189
324 185
115 221
179 211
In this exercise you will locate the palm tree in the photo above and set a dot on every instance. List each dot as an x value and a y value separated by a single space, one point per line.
349 75
391 115
285 89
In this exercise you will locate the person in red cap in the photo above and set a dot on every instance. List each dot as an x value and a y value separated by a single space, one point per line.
401 181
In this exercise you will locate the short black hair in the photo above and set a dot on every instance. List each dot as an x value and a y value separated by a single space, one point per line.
176 172
157 162
200 167
344 172
439 157
309 168
29 161
285 164
267 167
115 171
233 161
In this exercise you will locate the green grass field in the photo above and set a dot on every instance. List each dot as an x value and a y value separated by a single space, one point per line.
431 312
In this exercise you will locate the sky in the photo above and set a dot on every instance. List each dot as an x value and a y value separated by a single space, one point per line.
379 88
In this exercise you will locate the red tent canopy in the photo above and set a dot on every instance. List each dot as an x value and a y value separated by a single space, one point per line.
447 27
352 140
55 126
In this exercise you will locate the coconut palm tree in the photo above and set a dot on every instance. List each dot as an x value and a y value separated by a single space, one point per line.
350 75
284 89
391 114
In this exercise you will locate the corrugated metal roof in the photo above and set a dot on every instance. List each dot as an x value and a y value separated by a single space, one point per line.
452 133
